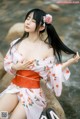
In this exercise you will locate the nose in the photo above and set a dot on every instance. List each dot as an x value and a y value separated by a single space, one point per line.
28 21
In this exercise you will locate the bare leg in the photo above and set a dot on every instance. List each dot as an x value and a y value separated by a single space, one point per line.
8 102
19 112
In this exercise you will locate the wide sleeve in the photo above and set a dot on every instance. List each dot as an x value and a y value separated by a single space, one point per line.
56 77
8 60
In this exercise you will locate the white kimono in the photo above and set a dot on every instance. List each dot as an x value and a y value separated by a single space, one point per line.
33 100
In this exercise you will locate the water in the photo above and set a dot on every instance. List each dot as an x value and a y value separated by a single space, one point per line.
71 94
67 24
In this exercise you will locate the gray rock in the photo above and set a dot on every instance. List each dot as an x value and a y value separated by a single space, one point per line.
5 81
52 101
2 72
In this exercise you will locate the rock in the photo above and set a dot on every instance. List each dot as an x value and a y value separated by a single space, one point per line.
5 81
24 2
15 31
65 20
2 71
54 7
53 101
39 3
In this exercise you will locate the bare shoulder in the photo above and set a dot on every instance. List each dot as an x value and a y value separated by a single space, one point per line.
50 52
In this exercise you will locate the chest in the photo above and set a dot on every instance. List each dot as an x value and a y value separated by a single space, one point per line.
31 50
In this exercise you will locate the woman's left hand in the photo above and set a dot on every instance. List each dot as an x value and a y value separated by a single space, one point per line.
75 59
71 61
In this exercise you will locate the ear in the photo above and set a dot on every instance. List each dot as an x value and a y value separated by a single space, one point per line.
41 28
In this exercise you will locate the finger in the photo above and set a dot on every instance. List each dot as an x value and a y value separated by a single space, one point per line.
29 62
25 66
77 54
28 65
24 62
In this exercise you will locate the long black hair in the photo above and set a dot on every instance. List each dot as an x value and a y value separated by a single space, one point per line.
53 39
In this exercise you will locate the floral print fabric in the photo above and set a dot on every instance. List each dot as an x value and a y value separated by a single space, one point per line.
33 100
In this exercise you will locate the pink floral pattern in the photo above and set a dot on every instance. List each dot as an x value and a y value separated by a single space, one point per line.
34 99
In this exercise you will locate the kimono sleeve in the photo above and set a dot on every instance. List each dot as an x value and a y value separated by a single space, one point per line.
8 62
56 77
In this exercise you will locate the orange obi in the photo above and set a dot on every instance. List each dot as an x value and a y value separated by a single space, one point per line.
27 79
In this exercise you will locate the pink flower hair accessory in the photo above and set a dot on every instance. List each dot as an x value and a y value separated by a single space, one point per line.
47 19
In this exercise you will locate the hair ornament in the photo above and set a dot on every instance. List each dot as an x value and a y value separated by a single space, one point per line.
47 19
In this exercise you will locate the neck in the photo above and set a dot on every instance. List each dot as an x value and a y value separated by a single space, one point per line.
33 37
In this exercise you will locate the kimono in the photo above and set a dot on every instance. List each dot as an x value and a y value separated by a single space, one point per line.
33 99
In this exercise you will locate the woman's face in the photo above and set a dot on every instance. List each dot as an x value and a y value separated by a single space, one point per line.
30 24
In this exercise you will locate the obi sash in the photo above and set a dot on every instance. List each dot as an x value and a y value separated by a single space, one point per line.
27 79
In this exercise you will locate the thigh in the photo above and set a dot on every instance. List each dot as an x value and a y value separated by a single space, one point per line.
19 112
8 102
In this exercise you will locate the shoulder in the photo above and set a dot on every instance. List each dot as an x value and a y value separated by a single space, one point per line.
50 52
14 41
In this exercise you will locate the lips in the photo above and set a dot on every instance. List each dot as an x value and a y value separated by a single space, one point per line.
27 27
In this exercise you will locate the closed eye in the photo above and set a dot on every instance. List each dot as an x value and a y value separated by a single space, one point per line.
29 17
33 20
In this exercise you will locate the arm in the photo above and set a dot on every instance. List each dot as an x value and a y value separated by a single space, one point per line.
58 73
67 63
71 61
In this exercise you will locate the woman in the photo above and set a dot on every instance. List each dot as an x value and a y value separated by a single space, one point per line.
30 59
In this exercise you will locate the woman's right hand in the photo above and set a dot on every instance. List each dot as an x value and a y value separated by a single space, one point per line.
22 65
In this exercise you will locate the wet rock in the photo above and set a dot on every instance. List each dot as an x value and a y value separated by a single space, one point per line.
53 101
18 13
62 38
24 1
66 20
75 35
54 7
2 72
15 31
39 3
3 11
5 81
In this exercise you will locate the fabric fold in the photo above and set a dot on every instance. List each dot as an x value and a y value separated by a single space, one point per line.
56 77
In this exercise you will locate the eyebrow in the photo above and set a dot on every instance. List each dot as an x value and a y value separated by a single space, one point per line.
29 16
